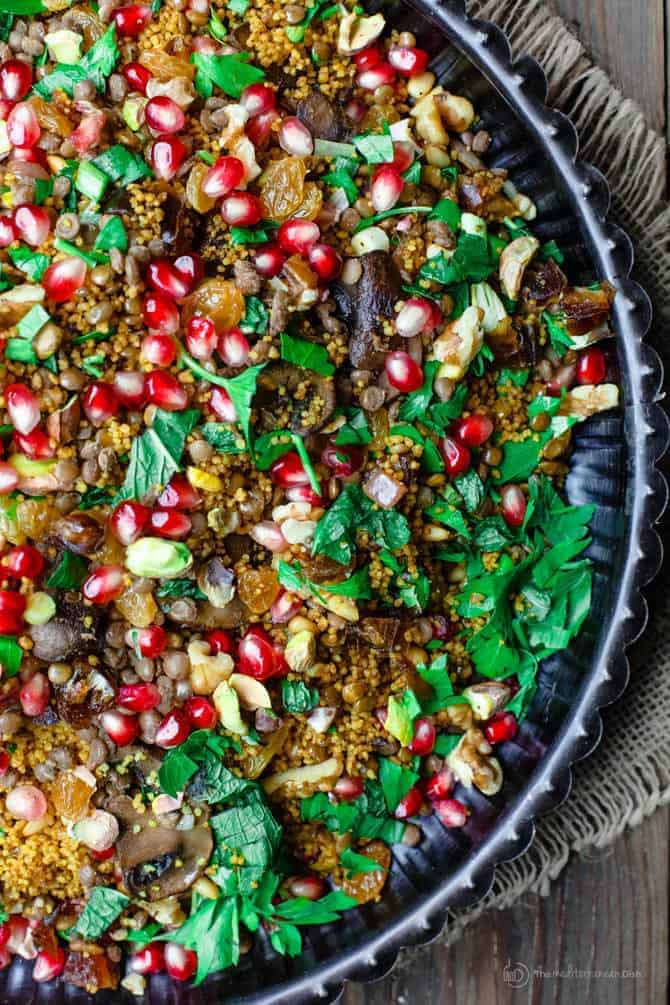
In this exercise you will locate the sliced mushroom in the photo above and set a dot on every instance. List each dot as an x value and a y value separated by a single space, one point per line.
324 119
75 630
364 305
63 424
87 693
513 261
309 396
79 533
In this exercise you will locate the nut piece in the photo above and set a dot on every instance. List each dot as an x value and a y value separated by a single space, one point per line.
456 111
207 671
459 343
357 33
589 399
306 780
251 693
485 699
429 124
513 261
300 651
472 764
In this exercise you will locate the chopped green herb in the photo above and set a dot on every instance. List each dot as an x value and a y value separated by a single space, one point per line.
112 235
33 263
11 655
231 73
256 317
448 211
355 864
223 437
121 165
352 511
396 781
401 712
174 588
103 907
69 574
308 355
297 697
375 148
156 455
371 221
252 235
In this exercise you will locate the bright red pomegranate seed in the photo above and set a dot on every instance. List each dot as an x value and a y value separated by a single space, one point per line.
591 366
179 494
23 408
150 641
424 737
500 727
286 605
347 789
48 964
201 338
148 960
16 78
166 156
408 60
23 129
288 471
158 349
35 694
410 804
170 523
25 561
191 269
304 493
474 430
138 697
200 712
137 77
440 785
131 20
234 348
12 606
5 930
456 456
8 231
164 390
100 402
223 177
451 812
129 387
378 76
367 58
268 534
259 128
325 261
256 654
343 461
104 584
173 729
62 279
513 505
311 887
414 318
9 478
33 224
164 116
35 445
222 406
298 236
241 209
121 729
165 279
88 132
402 372
161 313
180 963
269 261
386 188
403 155
258 98
295 138
219 641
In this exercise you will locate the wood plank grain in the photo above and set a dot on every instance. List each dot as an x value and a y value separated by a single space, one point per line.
628 40
608 913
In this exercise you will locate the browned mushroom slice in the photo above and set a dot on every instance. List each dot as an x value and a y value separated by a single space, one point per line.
87 693
307 396
75 630
381 633
324 119
363 306
155 860
79 533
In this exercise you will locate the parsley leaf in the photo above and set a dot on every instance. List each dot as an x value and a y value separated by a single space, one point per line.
297 697
308 355
156 455
472 261
180 588
401 712
375 148
336 531
223 437
355 863
112 235
558 333
69 574
270 446
355 431
122 166
396 781
256 317
232 73
33 263
11 656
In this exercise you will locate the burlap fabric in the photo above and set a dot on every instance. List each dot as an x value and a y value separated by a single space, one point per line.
629 774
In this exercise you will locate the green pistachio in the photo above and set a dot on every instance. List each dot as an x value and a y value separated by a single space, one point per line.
158 558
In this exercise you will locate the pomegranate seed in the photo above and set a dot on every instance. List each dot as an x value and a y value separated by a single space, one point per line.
170 523
62 279
288 471
150 641
190 268
347 789
241 209
166 280
104 584
402 372
268 261
295 138
164 116
311 887
408 60
88 132
304 493
16 78
440 785
166 156
131 20
35 445
35 694
23 408
451 812
414 318
201 337
100 402
9 478
21 929
138 697
48 964
8 231
25 802
201 713
102 856
456 456
33 224
173 729
25 561
5 930
513 505
137 77
269 535
234 348
500 727
23 129
410 804
259 128
298 236
12 606
257 99
223 177
256 654
179 494
219 641
180 963
121 729
403 155
148 960
158 349
591 366
129 388
378 76
222 406
160 313
386 188
343 461
424 737
128 521
325 261
164 390
286 605
367 58
474 430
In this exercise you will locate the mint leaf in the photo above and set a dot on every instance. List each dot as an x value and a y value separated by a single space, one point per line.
156 455
103 907
297 697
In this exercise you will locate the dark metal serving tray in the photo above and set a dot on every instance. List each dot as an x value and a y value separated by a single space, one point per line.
613 466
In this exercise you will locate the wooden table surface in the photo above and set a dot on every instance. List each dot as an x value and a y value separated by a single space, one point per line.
604 926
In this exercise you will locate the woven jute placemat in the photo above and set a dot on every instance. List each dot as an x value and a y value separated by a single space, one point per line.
628 776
